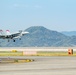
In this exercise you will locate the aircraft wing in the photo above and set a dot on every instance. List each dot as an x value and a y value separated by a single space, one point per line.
19 34
14 34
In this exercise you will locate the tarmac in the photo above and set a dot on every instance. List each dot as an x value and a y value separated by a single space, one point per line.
64 65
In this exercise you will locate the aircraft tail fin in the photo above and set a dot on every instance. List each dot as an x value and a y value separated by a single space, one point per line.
1 32
7 32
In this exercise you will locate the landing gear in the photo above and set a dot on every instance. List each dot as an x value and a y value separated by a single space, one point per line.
8 40
19 38
13 40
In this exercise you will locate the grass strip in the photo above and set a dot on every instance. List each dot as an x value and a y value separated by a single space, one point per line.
10 53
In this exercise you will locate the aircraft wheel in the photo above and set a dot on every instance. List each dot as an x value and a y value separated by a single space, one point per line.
19 38
8 40
13 40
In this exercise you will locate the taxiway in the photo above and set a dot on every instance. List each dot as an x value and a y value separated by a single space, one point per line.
41 66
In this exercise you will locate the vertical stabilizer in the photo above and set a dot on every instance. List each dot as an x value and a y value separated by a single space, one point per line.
7 32
1 32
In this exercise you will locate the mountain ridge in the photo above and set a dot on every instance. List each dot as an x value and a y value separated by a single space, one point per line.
40 36
69 33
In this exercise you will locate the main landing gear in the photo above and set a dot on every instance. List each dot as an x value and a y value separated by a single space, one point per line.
9 40
14 40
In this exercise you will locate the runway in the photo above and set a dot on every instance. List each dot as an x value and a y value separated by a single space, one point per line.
41 66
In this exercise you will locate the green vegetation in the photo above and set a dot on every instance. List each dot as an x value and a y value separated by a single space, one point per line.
51 53
46 53
39 53
10 53
41 37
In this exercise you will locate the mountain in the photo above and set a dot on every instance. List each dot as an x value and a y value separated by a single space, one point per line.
69 33
40 36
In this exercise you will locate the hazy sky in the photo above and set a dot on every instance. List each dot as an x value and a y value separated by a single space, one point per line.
59 15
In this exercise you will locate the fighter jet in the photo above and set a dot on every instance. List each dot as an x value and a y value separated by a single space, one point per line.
8 35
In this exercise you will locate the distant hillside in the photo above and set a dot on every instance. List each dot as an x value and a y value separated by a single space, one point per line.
69 33
39 36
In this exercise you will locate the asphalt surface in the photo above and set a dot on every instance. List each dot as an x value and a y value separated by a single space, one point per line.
41 66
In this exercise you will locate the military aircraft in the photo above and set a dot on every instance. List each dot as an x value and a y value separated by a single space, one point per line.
8 35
